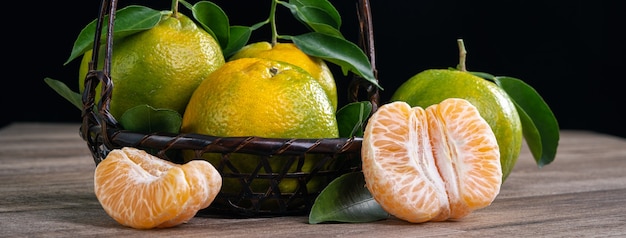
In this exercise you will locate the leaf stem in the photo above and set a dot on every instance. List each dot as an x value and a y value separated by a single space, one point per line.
462 55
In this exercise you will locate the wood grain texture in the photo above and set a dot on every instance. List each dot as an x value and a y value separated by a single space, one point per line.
46 190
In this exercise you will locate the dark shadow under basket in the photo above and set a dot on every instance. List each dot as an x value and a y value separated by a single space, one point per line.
276 162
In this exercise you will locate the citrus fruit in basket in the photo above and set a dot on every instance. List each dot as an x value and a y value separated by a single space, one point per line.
431 164
289 52
434 85
263 98
142 191
160 67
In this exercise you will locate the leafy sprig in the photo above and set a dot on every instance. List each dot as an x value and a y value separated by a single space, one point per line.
539 125
325 39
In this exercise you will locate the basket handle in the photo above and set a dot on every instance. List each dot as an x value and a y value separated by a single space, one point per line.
102 117
366 42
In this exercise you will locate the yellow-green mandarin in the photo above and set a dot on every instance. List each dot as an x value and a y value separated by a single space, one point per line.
264 98
260 97
161 66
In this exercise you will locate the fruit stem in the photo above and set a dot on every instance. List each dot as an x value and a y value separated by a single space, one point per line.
174 8
462 55
272 19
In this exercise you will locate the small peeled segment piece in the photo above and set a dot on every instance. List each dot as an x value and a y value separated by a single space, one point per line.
142 191
432 164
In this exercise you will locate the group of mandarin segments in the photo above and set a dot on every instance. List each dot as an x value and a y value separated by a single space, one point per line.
419 164
431 164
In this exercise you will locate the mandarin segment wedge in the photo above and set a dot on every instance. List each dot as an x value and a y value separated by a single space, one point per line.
142 191
432 164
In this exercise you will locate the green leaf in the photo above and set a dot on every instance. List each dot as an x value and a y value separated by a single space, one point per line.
531 134
214 20
63 90
315 11
481 74
346 199
338 51
239 37
319 15
147 119
128 20
538 121
352 117
326 29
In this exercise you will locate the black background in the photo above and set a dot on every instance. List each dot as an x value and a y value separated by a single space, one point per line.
572 52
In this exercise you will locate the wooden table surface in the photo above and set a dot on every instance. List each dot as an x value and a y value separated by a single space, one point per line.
46 190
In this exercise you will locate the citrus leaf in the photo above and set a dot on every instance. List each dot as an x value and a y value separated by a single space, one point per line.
63 90
239 36
531 134
346 199
339 51
352 117
326 29
481 74
147 119
532 104
214 20
315 11
128 20
319 15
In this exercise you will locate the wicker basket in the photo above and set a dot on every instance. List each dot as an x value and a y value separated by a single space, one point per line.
102 133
